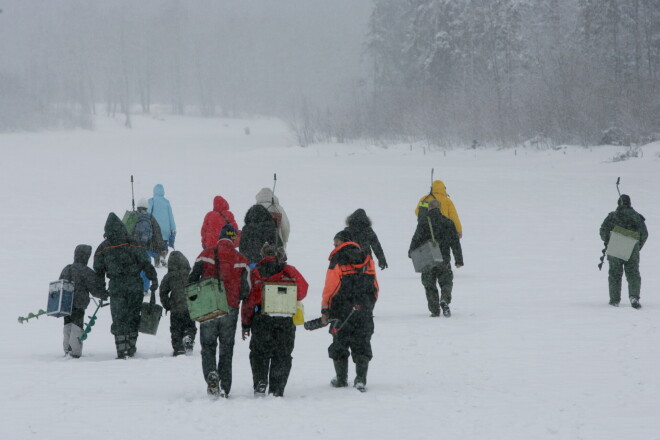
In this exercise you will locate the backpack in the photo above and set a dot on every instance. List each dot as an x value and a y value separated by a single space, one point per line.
143 229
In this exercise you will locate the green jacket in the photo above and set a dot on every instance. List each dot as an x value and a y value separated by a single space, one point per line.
172 288
624 217
120 259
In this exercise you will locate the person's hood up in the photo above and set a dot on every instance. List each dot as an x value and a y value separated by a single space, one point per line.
348 253
266 196
358 219
159 191
269 266
439 188
257 214
115 231
220 204
178 262
82 253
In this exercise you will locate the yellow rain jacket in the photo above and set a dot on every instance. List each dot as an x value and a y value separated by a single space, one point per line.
446 205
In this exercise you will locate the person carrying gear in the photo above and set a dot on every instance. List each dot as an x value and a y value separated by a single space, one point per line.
447 208
349 298
630 220
122 259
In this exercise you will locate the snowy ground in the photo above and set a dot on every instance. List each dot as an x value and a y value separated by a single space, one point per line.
532 350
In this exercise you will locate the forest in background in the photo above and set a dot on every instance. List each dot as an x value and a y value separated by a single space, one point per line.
440 71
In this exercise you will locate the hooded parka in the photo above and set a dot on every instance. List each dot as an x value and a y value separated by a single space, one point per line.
215 220
359 225
268 200
121 260
259 228
161 209
447 208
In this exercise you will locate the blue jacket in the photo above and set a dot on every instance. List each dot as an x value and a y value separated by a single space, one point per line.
162 211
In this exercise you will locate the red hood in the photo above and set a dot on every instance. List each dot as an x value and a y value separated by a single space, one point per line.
220 204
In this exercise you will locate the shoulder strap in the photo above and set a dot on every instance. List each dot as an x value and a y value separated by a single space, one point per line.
431 229
217 264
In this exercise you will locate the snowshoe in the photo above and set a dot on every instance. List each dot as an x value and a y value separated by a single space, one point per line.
213 389
446 311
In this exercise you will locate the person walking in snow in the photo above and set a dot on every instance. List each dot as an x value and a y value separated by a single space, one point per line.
147 234
215 220
259 229
268 200
348 300
84 282
627 218
122 259
234 272
173 298
447 208
359 225
161 209
445 234
273 336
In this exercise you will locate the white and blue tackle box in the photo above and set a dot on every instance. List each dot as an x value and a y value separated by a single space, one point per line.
60 298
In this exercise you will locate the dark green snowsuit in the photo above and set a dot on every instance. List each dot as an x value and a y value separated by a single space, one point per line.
121 259
173 298
625 217
445 234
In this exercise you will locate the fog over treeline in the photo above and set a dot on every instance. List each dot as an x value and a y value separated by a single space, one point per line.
443 71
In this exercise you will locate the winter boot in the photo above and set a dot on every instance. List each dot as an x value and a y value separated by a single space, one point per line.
341 371
213 382
634 302
260 389
188 344
74 341
121 342
132 343
446 312
614 303
163 262
361 368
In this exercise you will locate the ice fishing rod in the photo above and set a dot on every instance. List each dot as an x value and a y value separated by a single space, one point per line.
602 257
132 194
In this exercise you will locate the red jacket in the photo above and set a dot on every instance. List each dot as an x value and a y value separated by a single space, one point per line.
215 220
279 272
234 269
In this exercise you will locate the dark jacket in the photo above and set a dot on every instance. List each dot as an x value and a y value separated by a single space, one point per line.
349 281
444 232
121 259
259 228
84 279
172 286
359 225
625 217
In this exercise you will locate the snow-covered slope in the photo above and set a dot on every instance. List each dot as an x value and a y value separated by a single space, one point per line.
532 349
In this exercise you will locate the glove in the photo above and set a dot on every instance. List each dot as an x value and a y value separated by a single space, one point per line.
382 264
165 302
325 314
245 333
154 287
104 296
